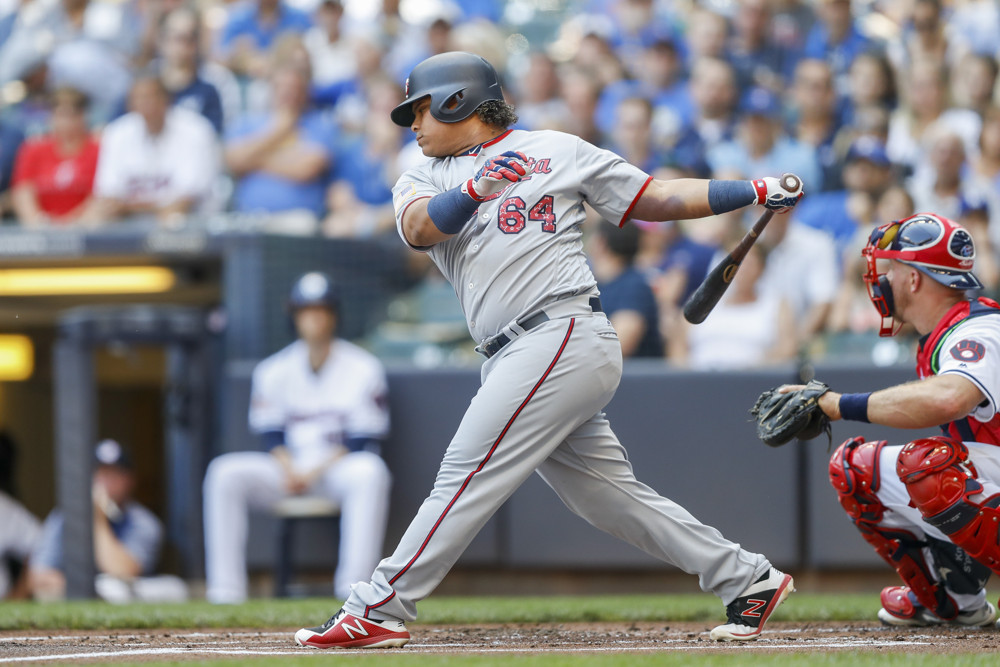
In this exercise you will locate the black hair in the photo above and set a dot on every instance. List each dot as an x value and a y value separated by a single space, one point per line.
497 113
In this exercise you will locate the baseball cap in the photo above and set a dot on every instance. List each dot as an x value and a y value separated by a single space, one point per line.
760 102
110 453
869 148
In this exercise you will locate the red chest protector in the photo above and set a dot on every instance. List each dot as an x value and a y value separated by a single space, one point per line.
966 429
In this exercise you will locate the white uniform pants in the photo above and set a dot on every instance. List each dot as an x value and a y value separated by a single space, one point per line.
539 410
892 493
238 482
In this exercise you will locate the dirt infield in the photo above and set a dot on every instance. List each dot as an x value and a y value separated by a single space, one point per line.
172 645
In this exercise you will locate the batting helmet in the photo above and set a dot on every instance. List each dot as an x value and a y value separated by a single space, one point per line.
932 244
457 83
314 289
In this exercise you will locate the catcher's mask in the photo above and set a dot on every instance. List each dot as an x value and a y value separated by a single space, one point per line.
932 244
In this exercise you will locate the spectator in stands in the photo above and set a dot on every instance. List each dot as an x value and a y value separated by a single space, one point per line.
367 166
580 93
926 95
816 120
11 139
761 145
707 36
281 158
985 169
626 297
319 407
250 31
54 174
632 134
758 60
331 50
19 529
748 327
180 63
974 79
836 38
925 37
791 23
715 96
871 82
539 106
802 268
127 540
943 187
85 45
157 160
841 213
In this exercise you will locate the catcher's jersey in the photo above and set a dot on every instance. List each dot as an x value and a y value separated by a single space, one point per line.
972 350
524 248
318 410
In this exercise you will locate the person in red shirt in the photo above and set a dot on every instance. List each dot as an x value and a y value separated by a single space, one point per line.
54 174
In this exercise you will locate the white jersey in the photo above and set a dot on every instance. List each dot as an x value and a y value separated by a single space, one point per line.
972 350
318 411
525 249
182 162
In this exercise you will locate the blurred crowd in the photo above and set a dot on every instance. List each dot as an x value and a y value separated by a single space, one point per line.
175 109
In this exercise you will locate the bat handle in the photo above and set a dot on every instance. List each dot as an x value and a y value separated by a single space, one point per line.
791 182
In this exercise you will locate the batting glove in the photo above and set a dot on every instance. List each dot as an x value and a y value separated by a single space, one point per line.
498 172
772 194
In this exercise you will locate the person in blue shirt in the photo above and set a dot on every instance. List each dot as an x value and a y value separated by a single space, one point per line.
835 37
179 47
281 159
626 297
846 214
250 31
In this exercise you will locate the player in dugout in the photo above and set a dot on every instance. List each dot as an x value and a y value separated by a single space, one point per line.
499 211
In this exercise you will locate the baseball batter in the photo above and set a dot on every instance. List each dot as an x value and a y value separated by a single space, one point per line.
500 212
930 507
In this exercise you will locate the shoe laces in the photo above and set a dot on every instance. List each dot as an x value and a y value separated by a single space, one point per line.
733 614
333 620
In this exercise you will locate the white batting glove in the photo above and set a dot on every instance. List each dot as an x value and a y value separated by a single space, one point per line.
779 194
498 172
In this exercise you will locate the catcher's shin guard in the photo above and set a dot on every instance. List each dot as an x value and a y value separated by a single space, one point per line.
941 482
854 473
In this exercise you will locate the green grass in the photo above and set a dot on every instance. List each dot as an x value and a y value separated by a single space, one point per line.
92 615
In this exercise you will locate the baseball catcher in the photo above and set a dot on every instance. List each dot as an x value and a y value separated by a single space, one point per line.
931 507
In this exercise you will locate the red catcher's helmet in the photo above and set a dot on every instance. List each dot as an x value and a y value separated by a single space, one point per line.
930 243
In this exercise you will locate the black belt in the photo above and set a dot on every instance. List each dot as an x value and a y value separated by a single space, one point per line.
495 344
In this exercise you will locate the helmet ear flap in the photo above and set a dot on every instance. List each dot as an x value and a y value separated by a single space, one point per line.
883 291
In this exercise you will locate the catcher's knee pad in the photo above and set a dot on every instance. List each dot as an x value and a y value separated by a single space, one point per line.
854 473
941 483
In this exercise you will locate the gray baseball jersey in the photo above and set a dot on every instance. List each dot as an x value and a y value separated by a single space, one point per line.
539 407
525 248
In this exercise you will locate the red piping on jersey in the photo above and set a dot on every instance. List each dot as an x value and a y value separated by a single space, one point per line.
496 139
649 179
482 464
476 150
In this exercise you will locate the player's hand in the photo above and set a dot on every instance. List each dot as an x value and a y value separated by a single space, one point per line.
498 172
779 194
297 482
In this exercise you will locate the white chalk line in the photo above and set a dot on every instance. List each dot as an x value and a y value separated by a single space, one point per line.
135 652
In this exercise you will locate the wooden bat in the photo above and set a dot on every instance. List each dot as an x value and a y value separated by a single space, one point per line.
715 284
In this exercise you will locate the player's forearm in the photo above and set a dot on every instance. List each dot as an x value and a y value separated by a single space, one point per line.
111 555
419 228
920 404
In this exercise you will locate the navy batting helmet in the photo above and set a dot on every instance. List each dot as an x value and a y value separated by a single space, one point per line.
314 289
457 83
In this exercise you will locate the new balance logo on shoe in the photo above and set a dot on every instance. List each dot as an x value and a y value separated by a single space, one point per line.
747 614
360 629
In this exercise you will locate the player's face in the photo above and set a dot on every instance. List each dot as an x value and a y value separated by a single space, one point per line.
437 139
315 324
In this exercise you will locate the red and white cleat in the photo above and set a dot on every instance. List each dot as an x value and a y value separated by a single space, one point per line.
345 630
747 614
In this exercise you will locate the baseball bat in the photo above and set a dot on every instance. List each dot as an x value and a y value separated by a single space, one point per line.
715 284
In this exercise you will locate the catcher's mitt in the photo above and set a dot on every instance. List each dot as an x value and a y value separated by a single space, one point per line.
796 414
